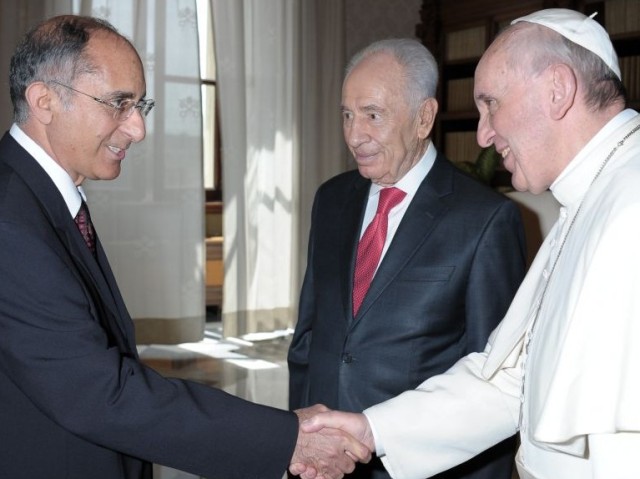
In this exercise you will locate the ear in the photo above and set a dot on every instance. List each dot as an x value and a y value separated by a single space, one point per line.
426 117
563 91
41 101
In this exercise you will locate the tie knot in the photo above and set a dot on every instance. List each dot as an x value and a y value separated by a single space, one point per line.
389 197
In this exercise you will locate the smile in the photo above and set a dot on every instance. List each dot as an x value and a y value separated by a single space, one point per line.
116 150
119 152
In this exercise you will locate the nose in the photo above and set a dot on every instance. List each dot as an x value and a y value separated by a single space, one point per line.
134 126
354 133
485 134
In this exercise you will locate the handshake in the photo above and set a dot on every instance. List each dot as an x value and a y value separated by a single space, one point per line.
330 443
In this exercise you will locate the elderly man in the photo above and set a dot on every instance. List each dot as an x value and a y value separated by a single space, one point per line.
374 323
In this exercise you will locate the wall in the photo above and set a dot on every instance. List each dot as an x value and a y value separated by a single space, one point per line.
370 20
14 22
16 17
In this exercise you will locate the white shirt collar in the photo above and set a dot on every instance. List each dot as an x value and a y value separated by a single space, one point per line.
412 180
570 186
72 195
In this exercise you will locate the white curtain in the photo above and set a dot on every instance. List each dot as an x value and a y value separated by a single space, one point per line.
323 150
151 219
280 124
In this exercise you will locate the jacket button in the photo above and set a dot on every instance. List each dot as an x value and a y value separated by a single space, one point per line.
347 358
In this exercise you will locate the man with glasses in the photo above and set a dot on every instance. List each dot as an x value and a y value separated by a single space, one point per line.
75 401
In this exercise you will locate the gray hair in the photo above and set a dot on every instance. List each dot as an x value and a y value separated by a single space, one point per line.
419 65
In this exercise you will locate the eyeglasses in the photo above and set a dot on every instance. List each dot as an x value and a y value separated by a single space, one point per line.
122 108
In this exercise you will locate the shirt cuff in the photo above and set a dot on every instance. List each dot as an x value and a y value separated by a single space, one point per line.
378 443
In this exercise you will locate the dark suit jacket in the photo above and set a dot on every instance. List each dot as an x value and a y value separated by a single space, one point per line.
75 401
447 279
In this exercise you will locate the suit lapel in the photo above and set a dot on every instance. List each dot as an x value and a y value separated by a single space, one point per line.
97 276
419 221
107 274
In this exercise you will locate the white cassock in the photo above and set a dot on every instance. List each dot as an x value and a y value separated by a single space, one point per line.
579 410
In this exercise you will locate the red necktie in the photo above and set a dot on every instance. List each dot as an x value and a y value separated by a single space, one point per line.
372 243
83 221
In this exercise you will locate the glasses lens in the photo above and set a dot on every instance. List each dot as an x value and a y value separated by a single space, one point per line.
126 107
145 106
123 109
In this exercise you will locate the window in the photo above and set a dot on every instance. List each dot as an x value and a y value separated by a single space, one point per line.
212 172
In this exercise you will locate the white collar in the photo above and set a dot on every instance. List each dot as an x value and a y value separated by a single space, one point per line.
570 187
412 180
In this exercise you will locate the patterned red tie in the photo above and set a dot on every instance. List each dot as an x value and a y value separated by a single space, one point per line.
372 243
83 220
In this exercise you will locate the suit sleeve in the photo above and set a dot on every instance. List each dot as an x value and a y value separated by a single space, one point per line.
498 267
298 356
55 350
